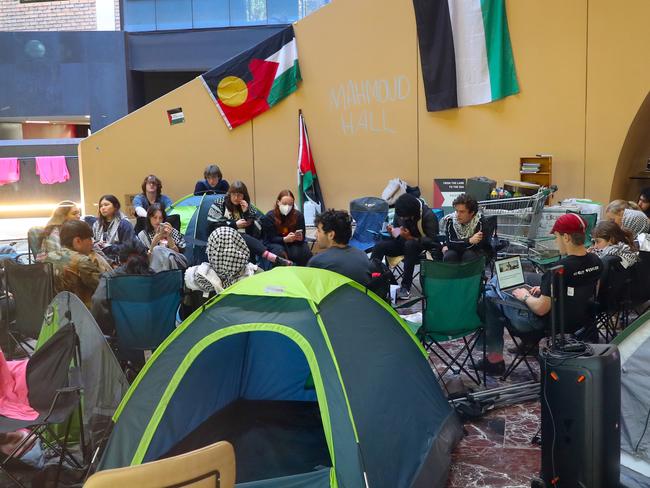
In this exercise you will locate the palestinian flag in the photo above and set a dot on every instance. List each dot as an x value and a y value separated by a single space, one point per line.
255 80
308 187
465 52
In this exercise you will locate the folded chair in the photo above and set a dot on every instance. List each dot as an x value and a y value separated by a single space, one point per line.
641 283
144 311
210 466
613 301
32 287
54 392
369 214
450 310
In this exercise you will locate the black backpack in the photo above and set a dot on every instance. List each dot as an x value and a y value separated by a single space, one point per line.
381 280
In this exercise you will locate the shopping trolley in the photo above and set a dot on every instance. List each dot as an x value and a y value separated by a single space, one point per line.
518 221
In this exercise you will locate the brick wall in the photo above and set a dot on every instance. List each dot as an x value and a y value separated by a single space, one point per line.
55 15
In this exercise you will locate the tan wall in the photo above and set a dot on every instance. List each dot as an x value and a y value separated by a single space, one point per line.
619 82
360 142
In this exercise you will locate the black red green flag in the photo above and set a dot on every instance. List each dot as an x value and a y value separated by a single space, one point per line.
308 186
255 80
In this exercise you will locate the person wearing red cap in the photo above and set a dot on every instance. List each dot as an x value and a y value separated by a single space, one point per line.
581 270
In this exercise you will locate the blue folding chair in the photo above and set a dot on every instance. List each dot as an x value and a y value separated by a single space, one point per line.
369 214
144 311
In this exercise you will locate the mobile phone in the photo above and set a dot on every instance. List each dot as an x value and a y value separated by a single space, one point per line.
298 232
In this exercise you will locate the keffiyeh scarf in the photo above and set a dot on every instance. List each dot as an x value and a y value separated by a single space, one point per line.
109 236
465 231
228 254
635 221
628 256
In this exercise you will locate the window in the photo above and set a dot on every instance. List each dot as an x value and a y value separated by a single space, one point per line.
152 15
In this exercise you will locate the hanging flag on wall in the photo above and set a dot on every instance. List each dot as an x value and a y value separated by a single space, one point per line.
465 52
255 80
310 197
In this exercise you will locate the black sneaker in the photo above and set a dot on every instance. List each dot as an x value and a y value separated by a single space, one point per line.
280 261
493 369
403 294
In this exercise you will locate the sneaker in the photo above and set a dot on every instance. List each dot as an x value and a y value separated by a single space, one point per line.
493 369
403 294
279 261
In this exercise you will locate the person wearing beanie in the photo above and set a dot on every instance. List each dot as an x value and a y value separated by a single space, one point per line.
414 229
467 232
529 310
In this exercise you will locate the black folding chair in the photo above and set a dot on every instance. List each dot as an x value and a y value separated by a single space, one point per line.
54 392
32 288
613 302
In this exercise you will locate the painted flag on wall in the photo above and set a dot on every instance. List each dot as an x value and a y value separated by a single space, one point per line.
465 52
255 80
310 197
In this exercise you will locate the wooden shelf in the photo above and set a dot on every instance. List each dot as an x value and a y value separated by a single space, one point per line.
544 177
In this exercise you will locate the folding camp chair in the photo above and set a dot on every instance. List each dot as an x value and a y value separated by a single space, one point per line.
144 311
641 283
212 465
613 302
369 214
450 311
54 392
32 288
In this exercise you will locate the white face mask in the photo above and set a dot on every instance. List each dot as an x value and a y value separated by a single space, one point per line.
285 209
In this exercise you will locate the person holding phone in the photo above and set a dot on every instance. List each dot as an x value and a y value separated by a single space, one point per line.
284 230
164 244
236 211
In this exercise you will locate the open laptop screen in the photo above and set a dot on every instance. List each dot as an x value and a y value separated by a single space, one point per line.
509 272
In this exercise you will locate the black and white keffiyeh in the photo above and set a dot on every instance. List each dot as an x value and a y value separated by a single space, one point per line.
228 254
628 255
635 221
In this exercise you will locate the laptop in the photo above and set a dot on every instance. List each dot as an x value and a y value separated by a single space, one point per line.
510 275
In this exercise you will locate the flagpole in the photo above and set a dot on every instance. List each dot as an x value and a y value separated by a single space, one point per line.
300 199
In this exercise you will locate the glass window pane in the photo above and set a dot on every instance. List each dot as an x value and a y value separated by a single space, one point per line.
173 14
139 15
211 13
282 11
310 6
247 12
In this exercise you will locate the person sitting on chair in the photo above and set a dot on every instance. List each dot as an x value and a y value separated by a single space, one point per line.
467 232
151 193
644 201
112 230
333 232
628 216
284 230
79 267
50 245
235 211
212 181
418 231
164 244
582 270
611 240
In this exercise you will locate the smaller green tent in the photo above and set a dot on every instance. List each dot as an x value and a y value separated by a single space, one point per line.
313 379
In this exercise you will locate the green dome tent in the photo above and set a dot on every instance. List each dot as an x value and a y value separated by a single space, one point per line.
313 379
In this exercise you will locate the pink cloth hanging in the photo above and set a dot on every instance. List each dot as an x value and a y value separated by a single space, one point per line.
9 170
52 169
14 401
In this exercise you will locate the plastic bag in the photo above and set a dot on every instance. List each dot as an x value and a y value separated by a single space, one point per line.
394 190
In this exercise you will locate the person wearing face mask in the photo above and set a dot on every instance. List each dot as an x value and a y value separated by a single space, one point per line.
284 230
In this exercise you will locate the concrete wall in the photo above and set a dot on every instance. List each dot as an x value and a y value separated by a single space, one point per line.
363 101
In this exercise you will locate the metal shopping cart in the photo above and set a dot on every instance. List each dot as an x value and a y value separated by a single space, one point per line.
518 221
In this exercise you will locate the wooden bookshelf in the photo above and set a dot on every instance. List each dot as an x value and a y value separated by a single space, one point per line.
537 169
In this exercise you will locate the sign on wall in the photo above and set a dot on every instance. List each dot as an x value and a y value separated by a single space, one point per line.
445 190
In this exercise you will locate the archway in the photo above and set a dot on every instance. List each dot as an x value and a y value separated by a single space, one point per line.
630 175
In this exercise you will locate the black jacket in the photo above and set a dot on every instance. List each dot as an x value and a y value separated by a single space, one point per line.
484 225
425 227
